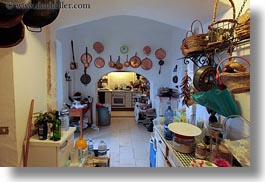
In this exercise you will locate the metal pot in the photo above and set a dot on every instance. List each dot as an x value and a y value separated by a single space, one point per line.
111 63
161 63
85 78
40 17
126 63
73 64
135 61
12 36
204 78
11 16
119 66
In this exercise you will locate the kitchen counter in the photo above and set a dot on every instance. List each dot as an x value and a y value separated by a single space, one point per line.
176 159
110 90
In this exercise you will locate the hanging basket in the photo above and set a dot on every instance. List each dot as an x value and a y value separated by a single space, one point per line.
238 82
242 29
195 42
221 32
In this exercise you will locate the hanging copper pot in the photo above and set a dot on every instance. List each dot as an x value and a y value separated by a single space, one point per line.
146 64
111 63
126 63
119 66
40 17
11 16
98 47
135 61
147 50
160 54
10 37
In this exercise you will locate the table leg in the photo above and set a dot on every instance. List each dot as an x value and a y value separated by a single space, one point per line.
81 125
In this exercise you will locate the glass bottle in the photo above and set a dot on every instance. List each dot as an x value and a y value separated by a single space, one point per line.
42 129
169 117
57 128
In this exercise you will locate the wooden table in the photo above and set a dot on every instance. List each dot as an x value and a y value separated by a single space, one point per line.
79 112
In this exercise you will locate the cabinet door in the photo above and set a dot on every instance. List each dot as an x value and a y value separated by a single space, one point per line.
42 156
108 97
128 100
161 161
64 150
173 159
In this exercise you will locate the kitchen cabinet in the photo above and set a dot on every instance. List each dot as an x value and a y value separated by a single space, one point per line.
161 152
108 97
128 99
47 153
166 155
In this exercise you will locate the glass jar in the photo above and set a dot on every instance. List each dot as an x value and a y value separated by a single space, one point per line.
220 155
201 151
64 117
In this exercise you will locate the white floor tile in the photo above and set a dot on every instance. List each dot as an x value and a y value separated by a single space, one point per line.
128 141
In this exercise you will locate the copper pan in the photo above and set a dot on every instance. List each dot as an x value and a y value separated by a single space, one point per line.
146 64
160 53
99 62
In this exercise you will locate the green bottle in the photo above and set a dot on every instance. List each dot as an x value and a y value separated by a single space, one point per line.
57 128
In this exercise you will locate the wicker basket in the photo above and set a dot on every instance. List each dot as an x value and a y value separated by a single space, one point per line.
242 29
235 82
195 42
221 32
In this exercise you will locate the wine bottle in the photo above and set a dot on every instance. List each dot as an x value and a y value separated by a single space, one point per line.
57 128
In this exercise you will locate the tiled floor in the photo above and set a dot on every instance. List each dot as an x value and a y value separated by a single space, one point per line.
127 140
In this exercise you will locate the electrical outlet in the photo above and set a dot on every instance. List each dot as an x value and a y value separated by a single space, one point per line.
4 130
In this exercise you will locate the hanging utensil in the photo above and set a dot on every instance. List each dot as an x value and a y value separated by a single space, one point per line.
126 63
99 62
111 63
119 66
73 64
37 18
98 47
86 58
135 61
160 54
85 78
146 64
161 63
147 50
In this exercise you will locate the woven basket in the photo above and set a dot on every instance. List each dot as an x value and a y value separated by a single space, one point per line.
221 31
235 82
195 42
242 29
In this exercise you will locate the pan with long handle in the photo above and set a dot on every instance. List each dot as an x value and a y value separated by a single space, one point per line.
85 78
73 64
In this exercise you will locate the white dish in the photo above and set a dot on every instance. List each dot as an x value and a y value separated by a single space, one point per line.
184 129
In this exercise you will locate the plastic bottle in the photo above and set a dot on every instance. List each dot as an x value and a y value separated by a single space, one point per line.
169 117
102 148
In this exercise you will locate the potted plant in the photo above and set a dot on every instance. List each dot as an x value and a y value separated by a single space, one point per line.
43 122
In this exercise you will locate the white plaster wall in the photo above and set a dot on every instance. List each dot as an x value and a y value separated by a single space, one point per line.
7 109
29 59
114 32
